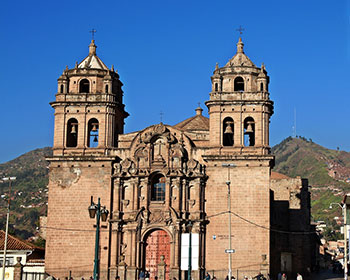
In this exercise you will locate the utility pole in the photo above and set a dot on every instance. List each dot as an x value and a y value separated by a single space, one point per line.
343 208
345 243
228 183
9 179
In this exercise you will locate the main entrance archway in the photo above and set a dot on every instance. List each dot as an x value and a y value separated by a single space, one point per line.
157 244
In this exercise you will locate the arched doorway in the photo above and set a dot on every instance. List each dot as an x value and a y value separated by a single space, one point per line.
157 244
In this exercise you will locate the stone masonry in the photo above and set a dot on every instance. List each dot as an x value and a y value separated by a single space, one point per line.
164 181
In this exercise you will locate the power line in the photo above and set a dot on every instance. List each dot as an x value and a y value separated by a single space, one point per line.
263 227
211 216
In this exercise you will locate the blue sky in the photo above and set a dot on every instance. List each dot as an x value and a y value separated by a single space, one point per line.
165 52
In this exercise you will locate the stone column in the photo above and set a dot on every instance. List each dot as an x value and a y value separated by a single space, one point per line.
161 269
18 270
122 271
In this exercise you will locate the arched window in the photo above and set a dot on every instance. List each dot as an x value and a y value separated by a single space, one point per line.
158 188
228 129
249 132
261 87
216 87
239 84
72 133
93 131
62 88
84 86
106 89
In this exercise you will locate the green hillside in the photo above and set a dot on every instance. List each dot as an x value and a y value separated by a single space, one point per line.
304 158
28 194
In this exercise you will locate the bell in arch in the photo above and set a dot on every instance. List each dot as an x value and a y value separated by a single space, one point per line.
249 127
228 129
74 129
95 139
94 127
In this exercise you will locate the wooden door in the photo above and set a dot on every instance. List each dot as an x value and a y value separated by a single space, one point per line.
157 245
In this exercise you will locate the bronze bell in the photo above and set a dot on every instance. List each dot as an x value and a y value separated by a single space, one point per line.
249 127
94 127
74 129
95 139
228 129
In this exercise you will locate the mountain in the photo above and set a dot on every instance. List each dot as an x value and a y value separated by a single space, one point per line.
28 192
328 172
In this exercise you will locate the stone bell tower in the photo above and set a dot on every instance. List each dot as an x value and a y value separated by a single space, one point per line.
89 110
89 118
238 166
239 106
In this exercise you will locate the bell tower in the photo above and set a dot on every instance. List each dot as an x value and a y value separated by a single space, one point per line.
240 107
89 109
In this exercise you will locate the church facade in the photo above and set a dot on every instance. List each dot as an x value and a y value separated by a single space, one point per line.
165 181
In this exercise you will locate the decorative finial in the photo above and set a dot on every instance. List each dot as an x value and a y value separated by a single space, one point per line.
92 48
67 68
112 68
199 110
161 114
92 31
216 66
240 46
76 64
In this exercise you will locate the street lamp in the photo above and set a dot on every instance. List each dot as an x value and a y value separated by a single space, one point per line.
100 212
228 183
5 179
189 227
343 207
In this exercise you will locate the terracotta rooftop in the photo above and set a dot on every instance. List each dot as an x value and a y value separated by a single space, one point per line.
197 122
278 176
14 243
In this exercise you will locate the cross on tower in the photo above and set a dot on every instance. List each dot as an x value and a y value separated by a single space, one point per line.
240 29
161 116
93 31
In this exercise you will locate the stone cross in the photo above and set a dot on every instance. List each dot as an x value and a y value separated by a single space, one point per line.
93 31
240 29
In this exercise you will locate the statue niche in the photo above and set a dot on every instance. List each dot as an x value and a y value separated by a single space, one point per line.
159 150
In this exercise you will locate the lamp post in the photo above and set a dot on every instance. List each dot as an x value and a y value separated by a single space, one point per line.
5 179
101 213
189 227
343 207
228 183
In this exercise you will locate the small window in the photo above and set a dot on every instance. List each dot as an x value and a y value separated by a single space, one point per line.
62 88
239 84
106 89
216 87
228 129
158 188
72 133
84 86
261 87
93 133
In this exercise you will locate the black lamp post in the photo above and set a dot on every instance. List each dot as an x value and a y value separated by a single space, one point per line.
100 212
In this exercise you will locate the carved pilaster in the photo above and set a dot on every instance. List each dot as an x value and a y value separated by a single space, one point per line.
161 269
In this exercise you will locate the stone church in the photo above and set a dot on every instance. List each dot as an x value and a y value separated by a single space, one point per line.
167 180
